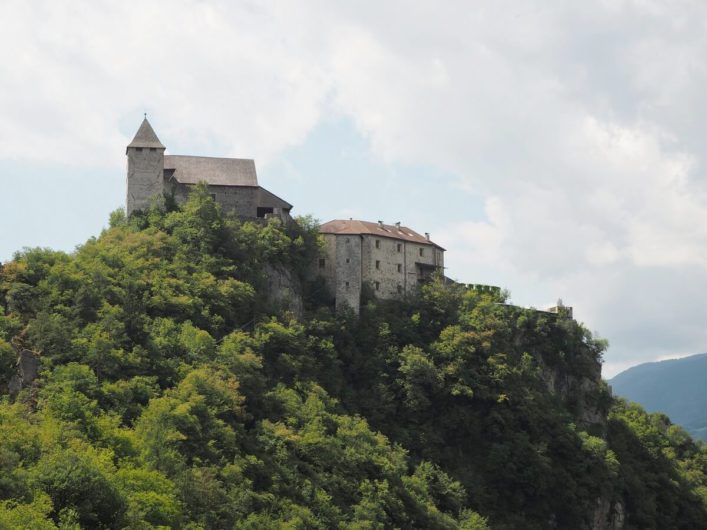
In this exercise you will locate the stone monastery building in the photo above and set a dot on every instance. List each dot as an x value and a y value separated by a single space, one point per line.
232 182
392 259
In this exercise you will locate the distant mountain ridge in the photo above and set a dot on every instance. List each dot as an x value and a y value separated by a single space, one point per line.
677 387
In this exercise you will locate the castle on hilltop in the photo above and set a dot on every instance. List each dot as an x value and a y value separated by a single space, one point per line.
232 182
391 259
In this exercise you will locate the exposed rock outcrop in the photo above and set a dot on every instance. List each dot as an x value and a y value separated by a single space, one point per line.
607 515
284 289
27 370
583 395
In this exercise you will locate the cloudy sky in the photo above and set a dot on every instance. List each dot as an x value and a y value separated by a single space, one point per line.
554 148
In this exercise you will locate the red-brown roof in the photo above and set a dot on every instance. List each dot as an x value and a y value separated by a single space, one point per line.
355 227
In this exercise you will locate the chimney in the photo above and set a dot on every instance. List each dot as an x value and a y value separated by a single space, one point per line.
380 224
427 236
397 225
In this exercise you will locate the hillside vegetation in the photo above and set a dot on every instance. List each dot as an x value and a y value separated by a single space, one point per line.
675 387
172 394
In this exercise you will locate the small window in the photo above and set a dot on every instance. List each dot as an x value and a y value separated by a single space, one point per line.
153 149
347 285
138 149
422 252
400 289
378 286
378 243
378 264
400 247
400 268
213 196
322 262
348 260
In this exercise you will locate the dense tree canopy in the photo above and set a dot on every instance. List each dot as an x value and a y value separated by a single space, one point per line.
174 393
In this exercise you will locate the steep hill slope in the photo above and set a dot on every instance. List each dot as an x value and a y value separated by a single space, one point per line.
162 385
677 387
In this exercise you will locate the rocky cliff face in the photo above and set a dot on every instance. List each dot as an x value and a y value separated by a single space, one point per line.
589 398
607 515
284 289
584 396
27 371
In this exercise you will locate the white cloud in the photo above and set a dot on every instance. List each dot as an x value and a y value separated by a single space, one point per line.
235 75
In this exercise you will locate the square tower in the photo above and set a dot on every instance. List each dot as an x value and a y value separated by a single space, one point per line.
145 168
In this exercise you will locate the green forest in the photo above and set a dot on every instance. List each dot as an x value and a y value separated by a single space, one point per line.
172 392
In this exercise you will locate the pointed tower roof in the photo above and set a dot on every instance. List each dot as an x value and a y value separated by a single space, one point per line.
146 137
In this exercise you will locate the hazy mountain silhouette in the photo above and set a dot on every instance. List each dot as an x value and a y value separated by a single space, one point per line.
677 387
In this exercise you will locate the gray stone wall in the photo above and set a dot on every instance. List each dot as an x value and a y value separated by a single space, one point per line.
393 265
243 200
384 268
326 265
145 177
348 271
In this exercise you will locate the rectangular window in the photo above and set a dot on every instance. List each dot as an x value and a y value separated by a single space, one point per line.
347 285
378 286
400 247
153 149
422 252
378 243
138 149
213 196
378 264
400 268
348 260
400 289
322 262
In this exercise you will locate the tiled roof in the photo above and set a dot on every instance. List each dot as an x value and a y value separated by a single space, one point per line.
355 227
215 171
146 137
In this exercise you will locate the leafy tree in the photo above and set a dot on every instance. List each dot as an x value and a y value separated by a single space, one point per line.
80 478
